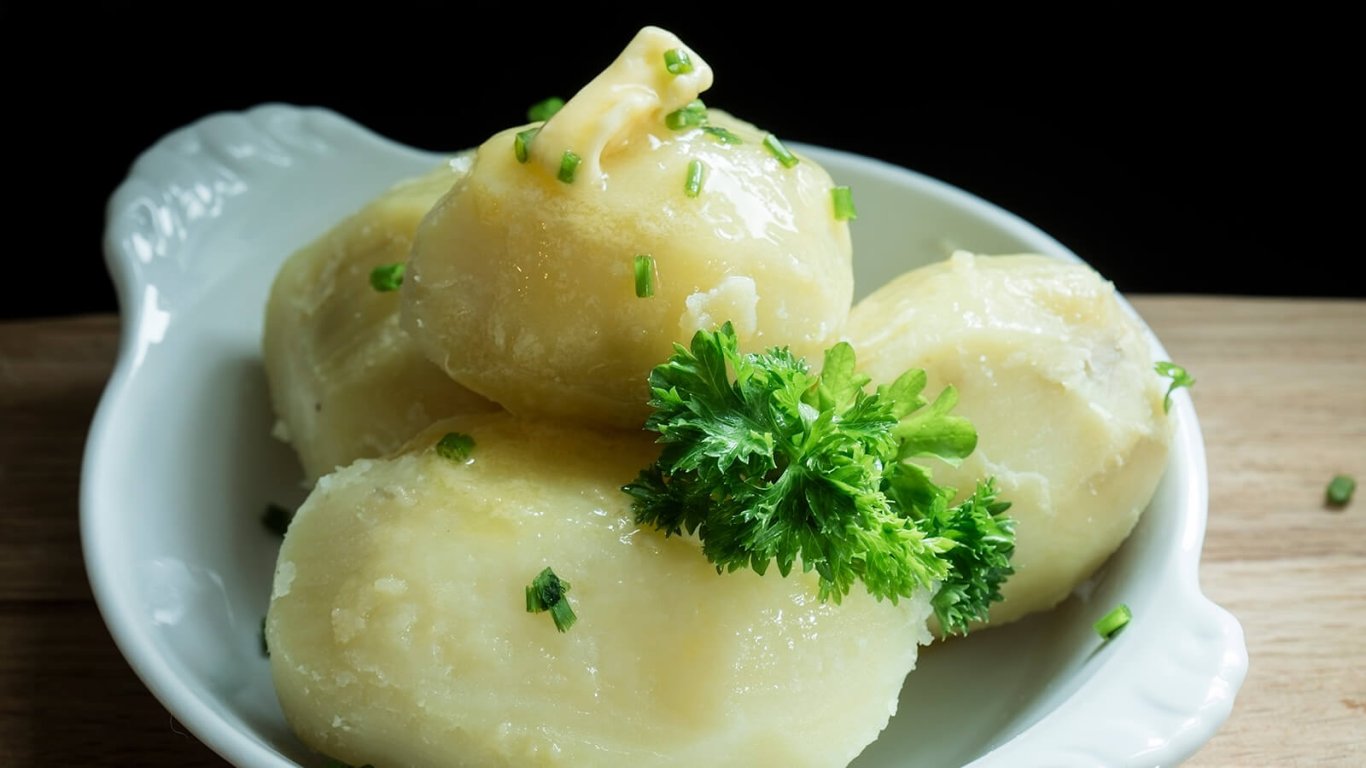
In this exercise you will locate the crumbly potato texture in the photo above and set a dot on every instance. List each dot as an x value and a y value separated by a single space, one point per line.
1058 379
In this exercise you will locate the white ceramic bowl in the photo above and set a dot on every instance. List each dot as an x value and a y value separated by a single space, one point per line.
180 463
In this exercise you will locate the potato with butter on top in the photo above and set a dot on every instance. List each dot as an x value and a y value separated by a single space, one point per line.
1058 379
400 633
522 283
346 381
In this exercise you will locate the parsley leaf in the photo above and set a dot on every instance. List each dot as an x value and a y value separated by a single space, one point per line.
769 463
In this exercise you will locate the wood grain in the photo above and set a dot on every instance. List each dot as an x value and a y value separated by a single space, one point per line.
1281 397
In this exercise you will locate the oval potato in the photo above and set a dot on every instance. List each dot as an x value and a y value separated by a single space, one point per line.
1058 379
399 633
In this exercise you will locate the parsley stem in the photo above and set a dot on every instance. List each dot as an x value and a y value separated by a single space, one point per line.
1179 376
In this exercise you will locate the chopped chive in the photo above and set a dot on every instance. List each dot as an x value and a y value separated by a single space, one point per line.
387 277
265 646
645 275
779 151
1340 490
677 61
569 165
721 134
1179 376
1113 621
694 114
545 109
455 446
276 519
547 593
693 184
521 143
843 198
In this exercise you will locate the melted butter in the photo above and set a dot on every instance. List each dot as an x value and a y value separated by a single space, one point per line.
634 93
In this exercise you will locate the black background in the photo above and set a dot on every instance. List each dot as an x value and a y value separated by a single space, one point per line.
1173 155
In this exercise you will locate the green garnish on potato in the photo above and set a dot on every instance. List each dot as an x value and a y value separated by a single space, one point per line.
768 462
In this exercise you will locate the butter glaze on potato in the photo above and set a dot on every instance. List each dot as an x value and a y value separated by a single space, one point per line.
399 633
522 288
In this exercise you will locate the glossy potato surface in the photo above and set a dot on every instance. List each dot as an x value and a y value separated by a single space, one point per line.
522 283
399 633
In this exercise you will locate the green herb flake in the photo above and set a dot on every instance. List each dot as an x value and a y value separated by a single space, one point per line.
569 165
694 114
776 148
265 646
1113 621
645 275
721 134
692 185
766 462
521 143
843 200
455 446
547 592
276 519
1179 378
545 109
677 61
1340 490
387 277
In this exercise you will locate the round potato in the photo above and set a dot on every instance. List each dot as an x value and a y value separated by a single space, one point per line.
345 380
399 631
1058 379
522 284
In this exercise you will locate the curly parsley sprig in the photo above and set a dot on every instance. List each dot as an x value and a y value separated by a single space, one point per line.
767 462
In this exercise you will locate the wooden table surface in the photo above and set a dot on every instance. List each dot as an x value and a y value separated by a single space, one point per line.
1281 398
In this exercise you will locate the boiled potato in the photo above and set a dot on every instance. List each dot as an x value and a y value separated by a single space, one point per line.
522 288
345 380
399 632
1058 379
